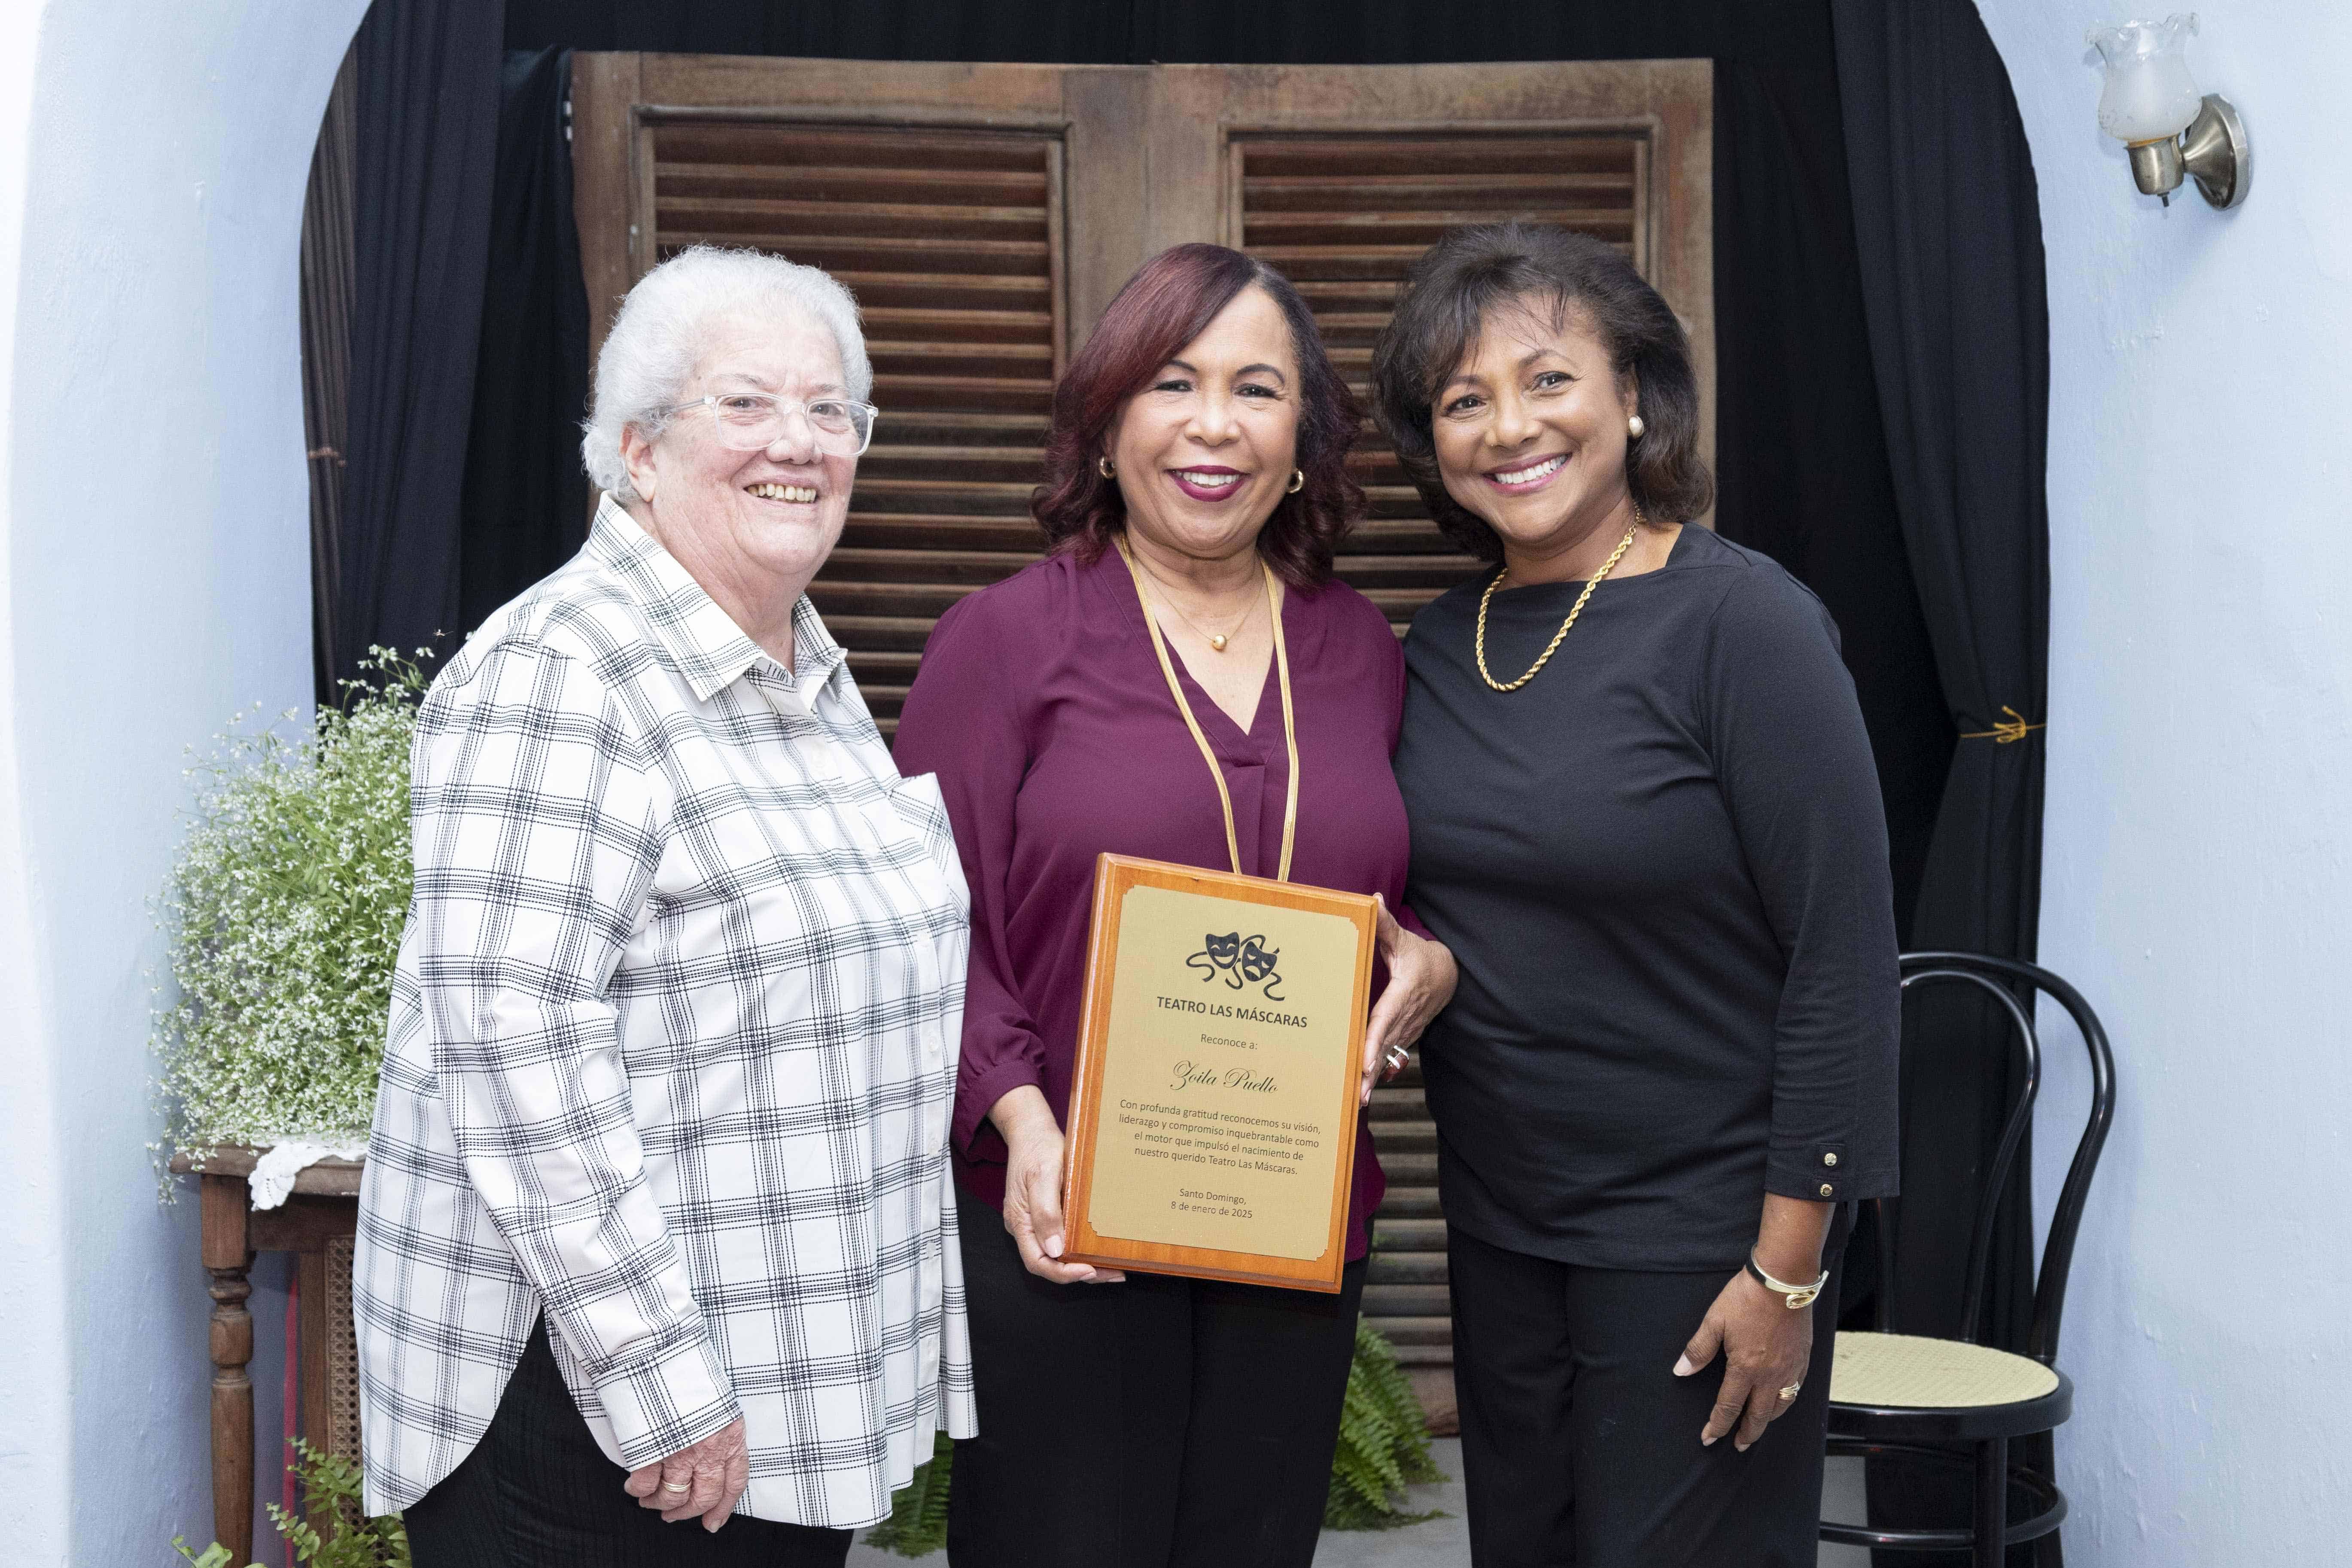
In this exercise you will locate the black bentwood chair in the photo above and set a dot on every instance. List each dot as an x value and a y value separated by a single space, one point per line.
1922 1398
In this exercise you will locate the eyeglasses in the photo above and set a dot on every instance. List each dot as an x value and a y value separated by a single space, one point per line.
751 421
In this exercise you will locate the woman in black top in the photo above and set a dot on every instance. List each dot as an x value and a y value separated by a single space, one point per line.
1646 820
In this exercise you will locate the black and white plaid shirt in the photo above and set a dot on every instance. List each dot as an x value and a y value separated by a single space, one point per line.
671 1055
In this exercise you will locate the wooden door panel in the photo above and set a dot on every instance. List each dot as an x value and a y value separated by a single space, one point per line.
953 247
1340 176
951 236
1408 187
985 215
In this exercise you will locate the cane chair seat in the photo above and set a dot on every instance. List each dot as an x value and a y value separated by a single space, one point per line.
1907 1371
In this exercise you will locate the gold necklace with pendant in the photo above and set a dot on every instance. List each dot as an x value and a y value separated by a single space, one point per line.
1200 738
1216 643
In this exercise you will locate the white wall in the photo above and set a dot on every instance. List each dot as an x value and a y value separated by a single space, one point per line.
2199 817
33 1384
154 557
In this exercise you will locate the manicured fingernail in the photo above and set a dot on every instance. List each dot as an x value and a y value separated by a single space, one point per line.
1054 1243
1683 1367
1705 1441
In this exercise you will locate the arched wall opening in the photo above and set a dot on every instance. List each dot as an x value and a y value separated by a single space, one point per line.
155 558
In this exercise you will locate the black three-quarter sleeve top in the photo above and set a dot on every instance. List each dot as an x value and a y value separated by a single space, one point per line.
1661 865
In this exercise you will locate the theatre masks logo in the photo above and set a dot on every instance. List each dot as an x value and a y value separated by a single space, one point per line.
1242 960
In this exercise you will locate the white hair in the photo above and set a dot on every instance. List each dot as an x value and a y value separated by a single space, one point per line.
663 330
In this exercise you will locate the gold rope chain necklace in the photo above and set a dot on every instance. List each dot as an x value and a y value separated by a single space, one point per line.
1545 657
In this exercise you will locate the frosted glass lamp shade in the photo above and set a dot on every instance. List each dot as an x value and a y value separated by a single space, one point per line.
2149 94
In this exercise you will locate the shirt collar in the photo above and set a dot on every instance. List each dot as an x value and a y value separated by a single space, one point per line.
710 649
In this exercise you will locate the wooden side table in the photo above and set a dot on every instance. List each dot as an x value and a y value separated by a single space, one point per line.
317 1223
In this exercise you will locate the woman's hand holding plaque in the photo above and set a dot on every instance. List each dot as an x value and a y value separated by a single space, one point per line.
1420 982
1034 1173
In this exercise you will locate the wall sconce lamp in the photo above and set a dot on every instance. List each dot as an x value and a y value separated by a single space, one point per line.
2151 105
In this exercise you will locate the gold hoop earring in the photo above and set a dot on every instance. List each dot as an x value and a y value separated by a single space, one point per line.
1102 467
1297 481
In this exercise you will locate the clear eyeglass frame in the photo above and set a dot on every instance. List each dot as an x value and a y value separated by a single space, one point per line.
754 421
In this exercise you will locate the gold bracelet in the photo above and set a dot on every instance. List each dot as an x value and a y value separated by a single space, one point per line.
1798 1297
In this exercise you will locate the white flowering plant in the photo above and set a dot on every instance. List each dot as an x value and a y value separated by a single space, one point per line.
283 917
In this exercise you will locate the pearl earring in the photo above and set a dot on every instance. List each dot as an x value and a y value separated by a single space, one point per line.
1633 427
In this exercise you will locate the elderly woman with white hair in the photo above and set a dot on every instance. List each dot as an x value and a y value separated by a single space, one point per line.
657 1229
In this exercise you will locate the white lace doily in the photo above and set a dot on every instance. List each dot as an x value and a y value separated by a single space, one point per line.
274 1172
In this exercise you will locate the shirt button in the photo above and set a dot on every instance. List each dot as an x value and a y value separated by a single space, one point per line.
1829 1159
1827 1190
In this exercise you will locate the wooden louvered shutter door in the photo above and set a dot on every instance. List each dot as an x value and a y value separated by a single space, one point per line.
943 196
1343 209
950 238
1345 217
984 213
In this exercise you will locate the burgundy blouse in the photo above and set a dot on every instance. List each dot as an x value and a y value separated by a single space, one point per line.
1041 707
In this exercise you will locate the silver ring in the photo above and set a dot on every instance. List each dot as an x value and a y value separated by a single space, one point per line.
1791 1391
674 1487
1398 1056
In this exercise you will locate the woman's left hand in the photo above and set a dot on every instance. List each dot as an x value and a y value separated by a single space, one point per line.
1766 1347
1420 982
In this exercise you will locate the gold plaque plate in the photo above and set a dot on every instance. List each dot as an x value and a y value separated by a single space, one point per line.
1213 1119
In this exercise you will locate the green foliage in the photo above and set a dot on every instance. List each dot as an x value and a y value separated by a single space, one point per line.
331 1492
1383 1443
283 916
918 1525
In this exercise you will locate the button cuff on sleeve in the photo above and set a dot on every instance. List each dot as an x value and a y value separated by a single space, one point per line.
1819 1173
667 1401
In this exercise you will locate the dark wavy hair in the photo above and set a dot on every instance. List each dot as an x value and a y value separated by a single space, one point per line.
1459 283
1171 300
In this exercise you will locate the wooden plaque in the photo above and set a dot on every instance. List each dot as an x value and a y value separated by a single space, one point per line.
1212 1120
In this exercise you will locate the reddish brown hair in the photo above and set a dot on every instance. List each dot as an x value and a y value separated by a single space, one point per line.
1171 300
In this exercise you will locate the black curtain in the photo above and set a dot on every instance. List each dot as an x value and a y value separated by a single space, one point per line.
1799 444
427 92
1948 228
328 280
525 507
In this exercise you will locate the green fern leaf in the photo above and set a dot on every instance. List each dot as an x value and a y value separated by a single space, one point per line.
918 1525
1383 1443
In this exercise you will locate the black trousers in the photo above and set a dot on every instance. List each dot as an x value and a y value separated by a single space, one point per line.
1580 1447
1162 1423
536 1492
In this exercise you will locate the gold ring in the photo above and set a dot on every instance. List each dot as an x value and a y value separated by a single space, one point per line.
674 1487
1790 1392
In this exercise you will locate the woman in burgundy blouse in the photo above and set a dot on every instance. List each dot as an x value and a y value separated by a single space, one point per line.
1197 473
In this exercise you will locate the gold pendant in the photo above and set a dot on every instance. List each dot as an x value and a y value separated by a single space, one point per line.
1217 645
